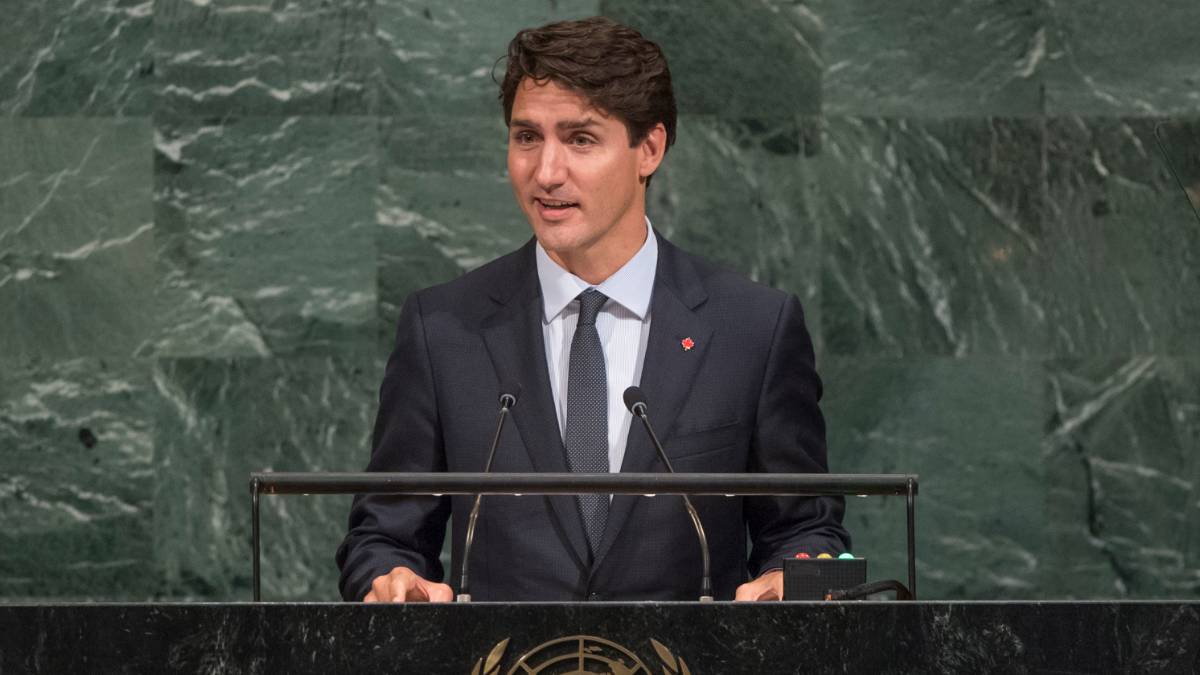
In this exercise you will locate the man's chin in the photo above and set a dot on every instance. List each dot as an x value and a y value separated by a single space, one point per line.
560 237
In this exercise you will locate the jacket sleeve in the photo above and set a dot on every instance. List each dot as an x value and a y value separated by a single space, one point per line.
789 437
386 531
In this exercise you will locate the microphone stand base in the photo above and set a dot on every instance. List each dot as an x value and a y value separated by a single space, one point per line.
463 597
706 598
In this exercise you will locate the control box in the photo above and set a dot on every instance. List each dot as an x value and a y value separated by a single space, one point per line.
812 578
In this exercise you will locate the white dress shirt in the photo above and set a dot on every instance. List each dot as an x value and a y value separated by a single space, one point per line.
623 325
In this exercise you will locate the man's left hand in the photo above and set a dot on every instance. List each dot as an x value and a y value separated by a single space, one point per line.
767 587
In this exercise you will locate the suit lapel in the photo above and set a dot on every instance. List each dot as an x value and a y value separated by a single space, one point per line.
515 343
667 372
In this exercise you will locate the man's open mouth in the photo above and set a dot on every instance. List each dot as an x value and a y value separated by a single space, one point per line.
556 204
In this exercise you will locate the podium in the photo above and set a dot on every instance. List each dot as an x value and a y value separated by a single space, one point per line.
717 638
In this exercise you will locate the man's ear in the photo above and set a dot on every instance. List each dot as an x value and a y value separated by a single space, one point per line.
651 150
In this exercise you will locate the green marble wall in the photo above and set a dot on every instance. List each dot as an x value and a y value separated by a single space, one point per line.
211 211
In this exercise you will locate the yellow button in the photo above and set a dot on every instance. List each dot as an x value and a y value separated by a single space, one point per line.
824 555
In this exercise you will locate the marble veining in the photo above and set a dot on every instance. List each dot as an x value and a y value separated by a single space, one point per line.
211 212
260 58
76 236
264 245
933 242
718 51
76 478
64 57
440 59
1122 244
1123 475
970 428
710 638
933 59
218 421
1113 58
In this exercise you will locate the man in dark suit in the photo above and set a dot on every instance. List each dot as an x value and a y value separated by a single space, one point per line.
597 301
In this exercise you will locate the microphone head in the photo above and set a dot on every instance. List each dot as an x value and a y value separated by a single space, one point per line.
634 398
509 392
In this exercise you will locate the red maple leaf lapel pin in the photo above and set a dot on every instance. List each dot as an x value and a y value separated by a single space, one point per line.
687 343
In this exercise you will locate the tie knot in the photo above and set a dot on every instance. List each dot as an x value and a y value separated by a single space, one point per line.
590 302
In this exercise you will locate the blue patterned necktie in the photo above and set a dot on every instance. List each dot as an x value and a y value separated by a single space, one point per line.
587 412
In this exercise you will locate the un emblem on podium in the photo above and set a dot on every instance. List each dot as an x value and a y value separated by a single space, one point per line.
577 655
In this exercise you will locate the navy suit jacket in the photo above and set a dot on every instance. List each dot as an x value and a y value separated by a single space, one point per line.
742 399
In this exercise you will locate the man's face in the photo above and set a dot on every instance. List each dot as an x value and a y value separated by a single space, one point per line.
573 172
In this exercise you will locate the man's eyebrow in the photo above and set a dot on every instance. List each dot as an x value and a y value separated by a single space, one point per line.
570 125
565 125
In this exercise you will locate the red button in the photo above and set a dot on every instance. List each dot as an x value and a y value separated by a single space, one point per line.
803 556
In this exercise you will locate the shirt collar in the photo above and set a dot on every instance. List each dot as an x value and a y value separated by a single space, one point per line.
629 286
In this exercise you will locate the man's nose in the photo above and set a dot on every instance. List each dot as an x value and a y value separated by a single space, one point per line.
552 166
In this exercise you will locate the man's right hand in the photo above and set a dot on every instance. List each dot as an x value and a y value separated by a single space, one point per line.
405 585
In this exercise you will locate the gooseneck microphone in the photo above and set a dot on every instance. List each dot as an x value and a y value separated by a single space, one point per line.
508 398
635 401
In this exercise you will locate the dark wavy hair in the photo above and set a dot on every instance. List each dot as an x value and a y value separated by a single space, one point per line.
617 69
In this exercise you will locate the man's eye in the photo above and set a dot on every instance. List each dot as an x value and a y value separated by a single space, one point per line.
525 137
582 141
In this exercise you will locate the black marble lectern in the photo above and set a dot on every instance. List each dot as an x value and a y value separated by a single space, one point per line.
673 638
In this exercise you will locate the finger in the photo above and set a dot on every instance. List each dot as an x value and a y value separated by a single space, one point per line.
423 590
435 592
760 589
746 592
768 587
774 586
401 588
381 587
370 597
